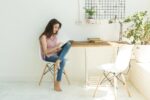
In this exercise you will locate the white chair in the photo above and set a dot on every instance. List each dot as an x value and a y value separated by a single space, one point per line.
112 71
50 67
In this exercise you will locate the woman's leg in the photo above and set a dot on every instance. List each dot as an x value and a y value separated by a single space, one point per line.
62 53
53 58
57 86
56 83
64 50
62 64
60 71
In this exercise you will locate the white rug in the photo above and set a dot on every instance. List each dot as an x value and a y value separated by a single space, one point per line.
31 91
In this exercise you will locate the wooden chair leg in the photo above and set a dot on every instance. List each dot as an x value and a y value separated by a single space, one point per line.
42 74
54 74
66 76
125 85
51 72
115 87
98 84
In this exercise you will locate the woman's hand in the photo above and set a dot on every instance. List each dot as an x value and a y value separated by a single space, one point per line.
58 47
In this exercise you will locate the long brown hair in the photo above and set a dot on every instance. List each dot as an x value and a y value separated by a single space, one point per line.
49 28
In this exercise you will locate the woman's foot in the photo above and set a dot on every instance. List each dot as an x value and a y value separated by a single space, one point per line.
57 86
57 64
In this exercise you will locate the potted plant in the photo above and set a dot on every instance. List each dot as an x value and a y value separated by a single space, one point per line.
138 33
90 12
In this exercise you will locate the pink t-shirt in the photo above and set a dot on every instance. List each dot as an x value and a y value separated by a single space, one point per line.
51 43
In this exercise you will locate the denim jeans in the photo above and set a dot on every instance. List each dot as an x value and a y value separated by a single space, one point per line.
60 55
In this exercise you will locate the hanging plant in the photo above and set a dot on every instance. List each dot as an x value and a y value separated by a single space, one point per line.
90 12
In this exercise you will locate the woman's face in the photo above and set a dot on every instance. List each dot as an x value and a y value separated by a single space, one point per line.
56 28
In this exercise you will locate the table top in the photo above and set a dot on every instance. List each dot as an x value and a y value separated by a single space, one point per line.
97 44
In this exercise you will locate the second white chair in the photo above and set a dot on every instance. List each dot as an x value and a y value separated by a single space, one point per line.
116 69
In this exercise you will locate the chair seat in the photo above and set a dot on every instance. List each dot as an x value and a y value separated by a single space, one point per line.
110 67
54 62
48 62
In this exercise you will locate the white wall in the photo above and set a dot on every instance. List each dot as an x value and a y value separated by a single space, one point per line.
22 21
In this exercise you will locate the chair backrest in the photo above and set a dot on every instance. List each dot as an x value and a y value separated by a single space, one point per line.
123 57
40 52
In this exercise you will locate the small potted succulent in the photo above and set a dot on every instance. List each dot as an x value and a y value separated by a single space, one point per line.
138 33
90 12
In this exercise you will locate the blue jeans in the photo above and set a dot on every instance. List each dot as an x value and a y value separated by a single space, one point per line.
60 55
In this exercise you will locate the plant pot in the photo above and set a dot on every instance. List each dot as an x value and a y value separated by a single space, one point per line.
91 21
142 53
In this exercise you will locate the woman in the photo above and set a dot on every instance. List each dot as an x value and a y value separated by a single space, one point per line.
52 50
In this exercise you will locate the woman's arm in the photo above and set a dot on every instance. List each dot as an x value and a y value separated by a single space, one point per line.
44 46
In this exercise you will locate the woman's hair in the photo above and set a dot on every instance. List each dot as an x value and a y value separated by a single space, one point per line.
49 28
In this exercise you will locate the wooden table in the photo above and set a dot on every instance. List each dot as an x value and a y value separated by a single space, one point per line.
92 44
